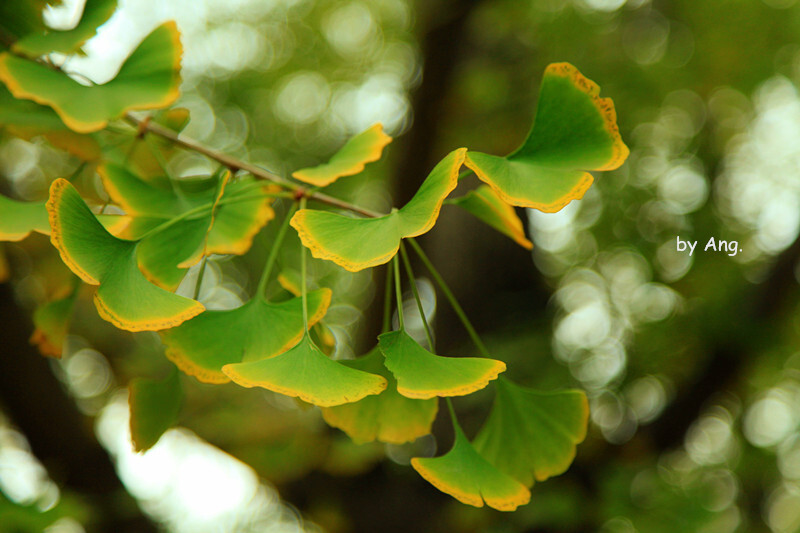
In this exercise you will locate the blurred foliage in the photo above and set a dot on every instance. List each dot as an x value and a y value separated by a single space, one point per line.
690 362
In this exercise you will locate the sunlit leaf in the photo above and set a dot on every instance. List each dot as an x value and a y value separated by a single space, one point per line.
484 203
19 219
203 345
387 417
466 476
155 406
124 296
148 79
421 374
359 243
531 434
52 320
95 13
307 373
575 131
364 148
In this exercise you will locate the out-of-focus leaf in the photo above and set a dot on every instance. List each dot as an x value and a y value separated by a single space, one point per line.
532 435
387 417
466 476
95 14
18 19
52 320
155 406
575 131
359 243
351 158
257 330
307 373
148 79
19 219
421 374
124 296
484 203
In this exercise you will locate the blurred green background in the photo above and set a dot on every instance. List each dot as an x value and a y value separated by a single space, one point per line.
691 363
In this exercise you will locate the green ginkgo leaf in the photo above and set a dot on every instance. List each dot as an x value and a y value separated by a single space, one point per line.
203 345
51 321
95 14
466 476
387 417
575 131
531 434
351 158
18 19
154 406
27 120
484 203
421 374
124 296
305 372
359 243
19 219
148 79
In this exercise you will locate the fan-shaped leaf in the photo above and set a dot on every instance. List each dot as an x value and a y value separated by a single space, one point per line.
148 79
532 435
484 203
575 131
359 243
203 345
306 373
124 297
95 13
421 374
351 158
19 219
466 476
155 406
387 417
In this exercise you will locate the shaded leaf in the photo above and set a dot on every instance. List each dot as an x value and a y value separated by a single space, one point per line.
203 345
484 203
155 406
421 374
387 417
148 79
575 131
124 296
359 243
466 476
19 219
531 434
307 373
95 14
51 321
351 158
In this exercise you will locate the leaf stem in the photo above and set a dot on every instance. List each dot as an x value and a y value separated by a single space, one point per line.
387 299
273 253
413 281
450 298
199 281
397 292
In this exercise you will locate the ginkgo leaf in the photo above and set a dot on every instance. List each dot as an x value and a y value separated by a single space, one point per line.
359 243
154 406
21 18
575 131
351 158
51 321
26 119
19 219
124 296
95 13
387 417
421 374
466 476
531 434
203 345
484 203
148 79
305 372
